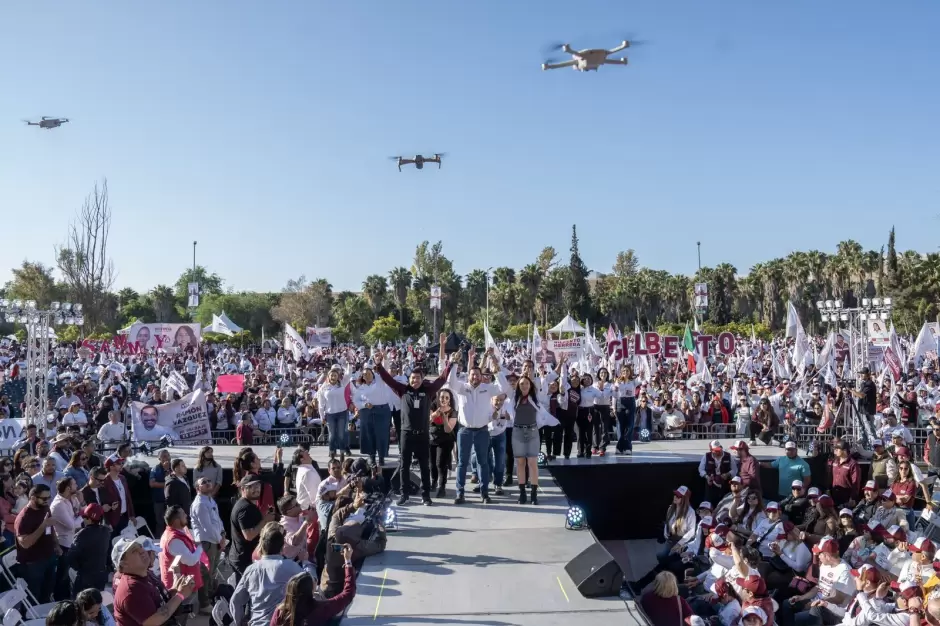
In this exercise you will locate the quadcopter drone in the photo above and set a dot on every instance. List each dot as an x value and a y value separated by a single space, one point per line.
587 60
419 160
47 122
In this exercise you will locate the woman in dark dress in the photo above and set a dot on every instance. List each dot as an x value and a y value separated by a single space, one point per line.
443 439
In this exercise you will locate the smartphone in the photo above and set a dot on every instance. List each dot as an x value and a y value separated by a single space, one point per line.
337 547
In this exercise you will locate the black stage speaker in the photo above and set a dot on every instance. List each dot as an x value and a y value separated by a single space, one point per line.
595 572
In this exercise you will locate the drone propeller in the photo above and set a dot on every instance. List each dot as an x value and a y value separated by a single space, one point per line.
555 46
394 158
440 154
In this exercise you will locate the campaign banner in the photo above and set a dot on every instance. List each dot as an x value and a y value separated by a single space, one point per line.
142 337
319 337
667 346
11 430
550 351
185 421
879 333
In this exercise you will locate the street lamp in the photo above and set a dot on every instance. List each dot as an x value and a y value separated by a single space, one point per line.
488 270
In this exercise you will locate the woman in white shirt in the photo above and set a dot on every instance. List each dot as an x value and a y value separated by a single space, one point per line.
265 418
602 416
331 398
372 398
585 419
625 392
679 532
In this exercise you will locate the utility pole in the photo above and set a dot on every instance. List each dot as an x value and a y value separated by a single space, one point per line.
699 244
194 261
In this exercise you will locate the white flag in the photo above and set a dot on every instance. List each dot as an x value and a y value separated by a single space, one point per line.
536 341
489 342
423 342
294 343
924 344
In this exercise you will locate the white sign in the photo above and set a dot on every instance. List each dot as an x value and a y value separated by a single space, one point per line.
185 421
435 297
701 295
10 432
319 337
550 350
193 290
879 332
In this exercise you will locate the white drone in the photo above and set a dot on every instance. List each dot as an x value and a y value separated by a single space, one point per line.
587 60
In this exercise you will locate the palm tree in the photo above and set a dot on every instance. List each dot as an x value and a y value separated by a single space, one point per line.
530 278
374 289
400 278
163 299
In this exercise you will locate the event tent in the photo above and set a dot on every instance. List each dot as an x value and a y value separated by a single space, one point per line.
451 344
567 325
223 325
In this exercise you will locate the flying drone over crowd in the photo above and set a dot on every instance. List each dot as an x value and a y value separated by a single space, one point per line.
47 122
419 160
589 59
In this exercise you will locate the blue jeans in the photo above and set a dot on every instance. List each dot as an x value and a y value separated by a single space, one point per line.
626 418
479 442
497 457
40 577
381 427
338 423
366 431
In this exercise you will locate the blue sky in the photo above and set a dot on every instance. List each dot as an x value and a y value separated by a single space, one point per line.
262 130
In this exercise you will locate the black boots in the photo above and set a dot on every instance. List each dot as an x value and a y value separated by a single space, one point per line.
441 491
522 498
534 494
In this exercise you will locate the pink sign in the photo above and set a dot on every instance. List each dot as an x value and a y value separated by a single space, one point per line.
230 383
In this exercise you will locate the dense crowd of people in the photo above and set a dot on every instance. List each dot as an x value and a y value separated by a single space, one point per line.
488 414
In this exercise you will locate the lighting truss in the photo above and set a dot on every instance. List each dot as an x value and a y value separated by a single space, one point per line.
855 319
39 325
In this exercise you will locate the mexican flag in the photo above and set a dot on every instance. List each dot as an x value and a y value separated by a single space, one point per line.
689 345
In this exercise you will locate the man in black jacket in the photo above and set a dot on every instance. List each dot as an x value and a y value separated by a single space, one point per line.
416 398
88 555
176 488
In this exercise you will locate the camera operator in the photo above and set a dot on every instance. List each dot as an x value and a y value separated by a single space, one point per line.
353 523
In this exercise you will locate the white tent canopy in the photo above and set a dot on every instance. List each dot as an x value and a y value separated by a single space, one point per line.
567 325
223 325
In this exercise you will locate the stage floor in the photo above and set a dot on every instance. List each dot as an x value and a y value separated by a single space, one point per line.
496 565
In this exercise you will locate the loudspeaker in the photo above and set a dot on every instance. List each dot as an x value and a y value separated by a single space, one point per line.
595 573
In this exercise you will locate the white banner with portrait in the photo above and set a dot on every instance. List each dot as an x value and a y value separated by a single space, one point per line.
879 332
319 337
550 350
165 336
185 421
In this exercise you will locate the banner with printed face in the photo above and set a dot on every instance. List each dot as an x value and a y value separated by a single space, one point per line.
550 350
165 336
879 332
319 337
185 421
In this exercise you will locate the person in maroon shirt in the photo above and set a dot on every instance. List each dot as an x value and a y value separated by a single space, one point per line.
37 547
748 468
300 608
139 598
844 476
662 602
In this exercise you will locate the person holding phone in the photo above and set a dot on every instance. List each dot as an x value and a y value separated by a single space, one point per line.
300 606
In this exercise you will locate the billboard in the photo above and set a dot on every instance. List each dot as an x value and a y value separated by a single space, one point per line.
165 336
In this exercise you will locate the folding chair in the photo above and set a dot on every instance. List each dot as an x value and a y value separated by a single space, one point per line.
107 598
139 523
12 617
220 611
33 608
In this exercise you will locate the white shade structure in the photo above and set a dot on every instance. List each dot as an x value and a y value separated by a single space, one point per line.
222 324
567 325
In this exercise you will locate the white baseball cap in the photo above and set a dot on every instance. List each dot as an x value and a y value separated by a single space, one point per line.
122 545
790 445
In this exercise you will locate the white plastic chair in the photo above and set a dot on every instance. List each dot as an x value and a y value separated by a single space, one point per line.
219 611
12 617
107 598
34 610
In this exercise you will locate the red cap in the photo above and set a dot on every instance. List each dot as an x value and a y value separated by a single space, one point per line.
903 452
826 544
753 583
922 545
93 512
825 500
868 573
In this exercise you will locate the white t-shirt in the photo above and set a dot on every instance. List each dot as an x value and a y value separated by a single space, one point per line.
835 578
120 489
112 432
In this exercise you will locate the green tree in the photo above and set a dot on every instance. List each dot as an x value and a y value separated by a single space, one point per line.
164 305
209 284
400 279
305 303
375 289
384 329
34 281
577 297
475 333
354 316
249 310
891 273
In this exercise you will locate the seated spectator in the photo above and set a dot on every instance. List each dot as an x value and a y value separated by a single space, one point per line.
93 611
662 603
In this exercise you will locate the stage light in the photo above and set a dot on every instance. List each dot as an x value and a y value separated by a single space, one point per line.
645 435
838 304
575 519
884 315
820 304
866 302
828 304
77 308
67 307
285 439
391 519
30 305
844 317
54 306
876 301
824 317
886 301
543 459
863 316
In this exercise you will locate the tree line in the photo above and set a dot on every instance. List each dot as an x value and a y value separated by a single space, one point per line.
396 304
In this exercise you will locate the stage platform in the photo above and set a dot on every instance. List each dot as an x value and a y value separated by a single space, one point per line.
501 564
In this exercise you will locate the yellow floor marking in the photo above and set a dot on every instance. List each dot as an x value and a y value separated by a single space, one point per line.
382 590
562 587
